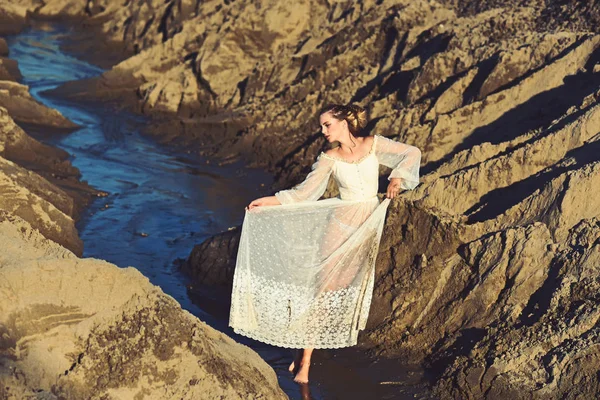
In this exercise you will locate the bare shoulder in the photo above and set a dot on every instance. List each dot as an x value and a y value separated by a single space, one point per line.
367 143
331 152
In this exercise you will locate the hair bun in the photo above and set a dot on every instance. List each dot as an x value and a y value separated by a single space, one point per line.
360 114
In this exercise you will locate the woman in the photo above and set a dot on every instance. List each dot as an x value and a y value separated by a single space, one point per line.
305 269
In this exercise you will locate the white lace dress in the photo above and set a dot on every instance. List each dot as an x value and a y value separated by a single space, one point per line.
305 269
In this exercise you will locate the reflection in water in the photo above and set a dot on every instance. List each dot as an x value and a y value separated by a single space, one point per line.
160 203
305 391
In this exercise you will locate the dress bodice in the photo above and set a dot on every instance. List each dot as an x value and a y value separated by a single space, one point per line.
357 180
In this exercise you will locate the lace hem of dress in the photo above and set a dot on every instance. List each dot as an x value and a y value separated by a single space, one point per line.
285 315
289 345
371 151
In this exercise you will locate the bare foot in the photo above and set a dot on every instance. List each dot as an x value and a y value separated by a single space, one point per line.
302 374
294 365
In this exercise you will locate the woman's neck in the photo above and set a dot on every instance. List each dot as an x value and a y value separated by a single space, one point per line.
348 146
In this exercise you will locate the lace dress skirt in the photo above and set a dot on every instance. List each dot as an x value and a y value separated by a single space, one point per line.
305 272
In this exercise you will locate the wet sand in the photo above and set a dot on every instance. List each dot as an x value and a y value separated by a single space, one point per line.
160 201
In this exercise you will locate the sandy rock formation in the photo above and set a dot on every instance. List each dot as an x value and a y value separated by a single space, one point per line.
29 195
123 339
440 290
508 167
18 106
16 145
62 9
19 12
9 70
13 18
25 109
180 69
38 181
454 65
552 350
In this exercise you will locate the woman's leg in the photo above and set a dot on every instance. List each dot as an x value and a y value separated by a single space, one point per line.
293 368
302 374
344 223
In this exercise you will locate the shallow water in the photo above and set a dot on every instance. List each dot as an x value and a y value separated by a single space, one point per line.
161 203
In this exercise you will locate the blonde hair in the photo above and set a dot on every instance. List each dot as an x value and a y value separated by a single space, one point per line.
354 115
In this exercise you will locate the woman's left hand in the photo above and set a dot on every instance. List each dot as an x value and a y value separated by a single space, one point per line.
263 201
393 188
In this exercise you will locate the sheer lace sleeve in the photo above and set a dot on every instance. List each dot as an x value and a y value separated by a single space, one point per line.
404 160
313 187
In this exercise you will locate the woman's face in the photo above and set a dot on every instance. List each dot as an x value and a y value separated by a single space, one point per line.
332 128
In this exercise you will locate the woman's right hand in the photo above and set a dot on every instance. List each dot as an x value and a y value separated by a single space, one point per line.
263 201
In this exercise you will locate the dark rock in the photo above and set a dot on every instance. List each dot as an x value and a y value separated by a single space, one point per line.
9 70
213 261
10 22
3 48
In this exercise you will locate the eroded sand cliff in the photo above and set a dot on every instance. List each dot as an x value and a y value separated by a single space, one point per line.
84 328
